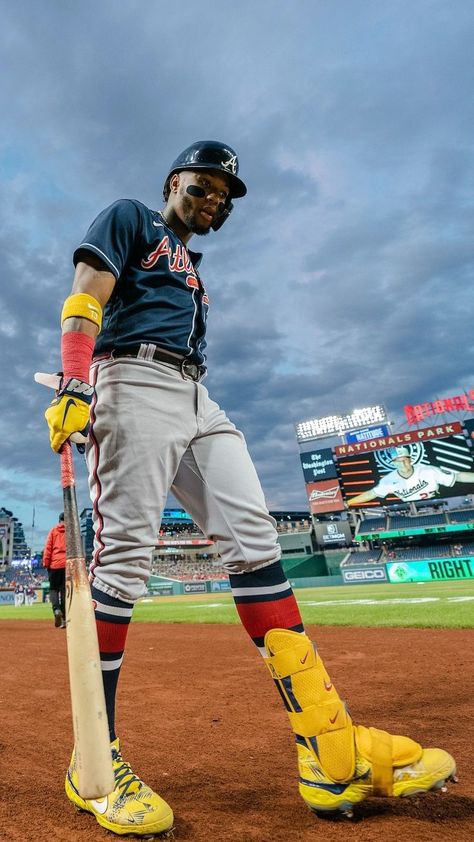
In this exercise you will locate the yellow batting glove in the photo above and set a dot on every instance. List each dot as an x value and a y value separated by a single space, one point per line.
69 412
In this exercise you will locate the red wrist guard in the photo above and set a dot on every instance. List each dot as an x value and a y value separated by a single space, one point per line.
76 355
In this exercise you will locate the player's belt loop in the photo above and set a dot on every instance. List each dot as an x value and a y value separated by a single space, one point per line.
146 351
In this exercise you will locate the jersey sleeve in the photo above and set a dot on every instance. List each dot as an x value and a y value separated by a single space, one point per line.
443 476
112 235
383 487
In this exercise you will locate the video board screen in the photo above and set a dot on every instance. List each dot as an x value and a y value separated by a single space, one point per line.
413 472
469 427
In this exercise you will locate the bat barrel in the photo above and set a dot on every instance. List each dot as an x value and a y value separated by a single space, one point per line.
89 716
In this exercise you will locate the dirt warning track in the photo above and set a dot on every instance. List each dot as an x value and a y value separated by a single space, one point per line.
202 723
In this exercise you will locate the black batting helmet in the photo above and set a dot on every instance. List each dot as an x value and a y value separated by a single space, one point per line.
209 155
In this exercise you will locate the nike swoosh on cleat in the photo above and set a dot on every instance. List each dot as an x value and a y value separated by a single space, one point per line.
100 804
66 409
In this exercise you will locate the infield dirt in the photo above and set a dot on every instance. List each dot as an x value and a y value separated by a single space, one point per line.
201 722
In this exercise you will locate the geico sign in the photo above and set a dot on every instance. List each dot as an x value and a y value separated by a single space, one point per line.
352 575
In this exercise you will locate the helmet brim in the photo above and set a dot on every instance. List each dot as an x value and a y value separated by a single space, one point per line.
237 186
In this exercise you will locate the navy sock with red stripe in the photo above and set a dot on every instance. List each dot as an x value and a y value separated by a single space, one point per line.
112 617
264 600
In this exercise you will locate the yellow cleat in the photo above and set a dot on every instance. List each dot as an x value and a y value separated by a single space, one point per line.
132 808
323 795
341 764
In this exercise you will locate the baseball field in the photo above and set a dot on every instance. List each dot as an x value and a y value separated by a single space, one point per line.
201 722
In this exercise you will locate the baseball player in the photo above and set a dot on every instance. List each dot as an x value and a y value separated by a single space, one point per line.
29 595
411 482
19 594
133 359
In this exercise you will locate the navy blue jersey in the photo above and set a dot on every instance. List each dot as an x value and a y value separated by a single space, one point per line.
158 297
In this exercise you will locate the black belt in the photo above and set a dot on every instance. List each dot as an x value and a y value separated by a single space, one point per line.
187 368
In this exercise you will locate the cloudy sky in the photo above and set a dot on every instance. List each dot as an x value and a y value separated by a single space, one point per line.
343 278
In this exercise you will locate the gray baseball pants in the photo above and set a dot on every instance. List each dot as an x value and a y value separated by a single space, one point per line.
154 430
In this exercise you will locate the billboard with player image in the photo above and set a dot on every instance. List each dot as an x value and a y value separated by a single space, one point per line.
413 472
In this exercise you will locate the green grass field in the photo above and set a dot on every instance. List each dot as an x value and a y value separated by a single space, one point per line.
427 605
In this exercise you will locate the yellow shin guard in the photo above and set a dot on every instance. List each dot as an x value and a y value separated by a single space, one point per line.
313 704
340 763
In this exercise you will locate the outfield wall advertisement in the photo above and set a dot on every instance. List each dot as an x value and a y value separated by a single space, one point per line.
368 574
195 587
437 570
220 586
400 572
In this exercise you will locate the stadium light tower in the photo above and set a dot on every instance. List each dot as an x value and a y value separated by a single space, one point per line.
331 425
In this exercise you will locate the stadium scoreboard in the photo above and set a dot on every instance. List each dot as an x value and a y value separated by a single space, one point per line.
439 461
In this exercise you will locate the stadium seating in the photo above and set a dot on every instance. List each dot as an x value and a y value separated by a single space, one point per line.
420 553
361 557
416 521
464 516
373 524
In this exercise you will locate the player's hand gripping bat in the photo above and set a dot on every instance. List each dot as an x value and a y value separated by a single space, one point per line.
89 716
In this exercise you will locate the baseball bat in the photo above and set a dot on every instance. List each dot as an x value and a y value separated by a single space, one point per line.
89 714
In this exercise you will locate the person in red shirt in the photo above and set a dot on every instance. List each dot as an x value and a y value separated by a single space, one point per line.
54 559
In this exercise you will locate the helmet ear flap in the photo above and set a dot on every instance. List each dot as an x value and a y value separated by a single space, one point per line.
224 214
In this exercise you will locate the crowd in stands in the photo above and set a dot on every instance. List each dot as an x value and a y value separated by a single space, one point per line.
184 568
295 526
464 549
11 576
176 529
